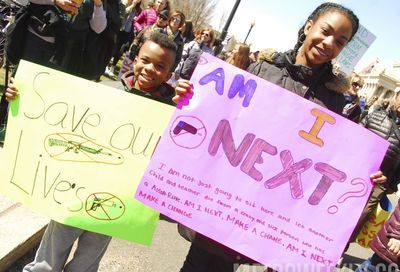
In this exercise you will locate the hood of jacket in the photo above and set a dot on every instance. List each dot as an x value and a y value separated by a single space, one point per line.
309 76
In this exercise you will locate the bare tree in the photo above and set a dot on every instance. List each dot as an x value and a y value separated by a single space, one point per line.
199 12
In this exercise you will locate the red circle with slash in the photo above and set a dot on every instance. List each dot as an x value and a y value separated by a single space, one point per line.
188 132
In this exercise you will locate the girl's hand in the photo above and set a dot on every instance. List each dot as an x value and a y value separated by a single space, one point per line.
378 177
394 246
183 93
11 91
98 3
67 5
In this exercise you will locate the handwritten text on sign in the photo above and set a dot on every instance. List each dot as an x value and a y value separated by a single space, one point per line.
355 49
262 170
76 150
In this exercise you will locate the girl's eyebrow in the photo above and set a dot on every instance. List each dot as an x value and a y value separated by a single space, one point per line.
331 28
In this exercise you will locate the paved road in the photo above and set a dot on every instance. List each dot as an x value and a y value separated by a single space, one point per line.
167 254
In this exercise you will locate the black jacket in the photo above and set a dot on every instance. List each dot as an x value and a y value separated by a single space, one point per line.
302 80
383 123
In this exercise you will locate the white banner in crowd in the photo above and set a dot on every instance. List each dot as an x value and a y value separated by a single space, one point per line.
355 49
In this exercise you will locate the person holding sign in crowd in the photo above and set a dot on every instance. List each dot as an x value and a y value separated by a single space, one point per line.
152 68
305 71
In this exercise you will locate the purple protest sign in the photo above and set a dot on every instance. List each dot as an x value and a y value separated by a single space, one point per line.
262 170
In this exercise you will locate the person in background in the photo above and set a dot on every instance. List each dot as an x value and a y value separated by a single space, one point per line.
383 123
126 34
373 104
267 54
352 110
303 71
57 32
149 16
187 32
386 245
176 21
240 56
192 51
99 47
254 56
160 26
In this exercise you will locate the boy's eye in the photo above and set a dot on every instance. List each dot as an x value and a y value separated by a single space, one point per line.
144 59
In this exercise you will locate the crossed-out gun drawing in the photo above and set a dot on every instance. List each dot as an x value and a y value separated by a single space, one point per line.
76 148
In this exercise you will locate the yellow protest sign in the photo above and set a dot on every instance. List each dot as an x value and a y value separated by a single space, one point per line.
75 151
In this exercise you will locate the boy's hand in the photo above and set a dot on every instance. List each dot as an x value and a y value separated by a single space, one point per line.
11 91
394 246
183 93
378 177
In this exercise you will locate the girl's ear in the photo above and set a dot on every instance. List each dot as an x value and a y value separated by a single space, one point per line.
308 26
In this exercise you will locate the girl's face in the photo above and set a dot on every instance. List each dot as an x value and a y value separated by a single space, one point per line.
175 21
205 36
325 39
161 5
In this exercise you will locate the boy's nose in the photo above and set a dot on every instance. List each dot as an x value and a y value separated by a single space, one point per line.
149 67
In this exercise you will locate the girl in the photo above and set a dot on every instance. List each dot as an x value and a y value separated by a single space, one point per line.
149 16
192 51
176 21
304 71
240 56
187 32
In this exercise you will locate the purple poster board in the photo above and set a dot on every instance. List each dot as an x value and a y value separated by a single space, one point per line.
262 170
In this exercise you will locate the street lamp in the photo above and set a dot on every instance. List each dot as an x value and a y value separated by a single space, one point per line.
248 33
224 32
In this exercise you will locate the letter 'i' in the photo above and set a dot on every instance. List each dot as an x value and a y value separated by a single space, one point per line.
322 118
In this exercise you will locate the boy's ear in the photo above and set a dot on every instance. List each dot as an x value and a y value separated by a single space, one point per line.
308 26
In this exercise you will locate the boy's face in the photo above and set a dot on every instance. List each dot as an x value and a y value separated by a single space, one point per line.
152 66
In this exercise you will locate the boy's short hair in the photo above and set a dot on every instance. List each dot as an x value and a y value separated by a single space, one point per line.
165 42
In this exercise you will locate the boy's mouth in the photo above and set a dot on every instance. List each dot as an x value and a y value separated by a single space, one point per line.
145 78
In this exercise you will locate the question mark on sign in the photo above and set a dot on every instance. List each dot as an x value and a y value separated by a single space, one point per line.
362 191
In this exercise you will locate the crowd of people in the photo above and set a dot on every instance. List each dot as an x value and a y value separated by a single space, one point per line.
165 48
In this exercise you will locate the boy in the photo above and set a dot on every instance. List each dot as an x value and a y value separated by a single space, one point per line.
152 67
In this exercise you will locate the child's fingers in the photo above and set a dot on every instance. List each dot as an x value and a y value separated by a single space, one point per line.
11 94
185 84
378 177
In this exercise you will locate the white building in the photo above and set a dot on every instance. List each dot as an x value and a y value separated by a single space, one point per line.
380 81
